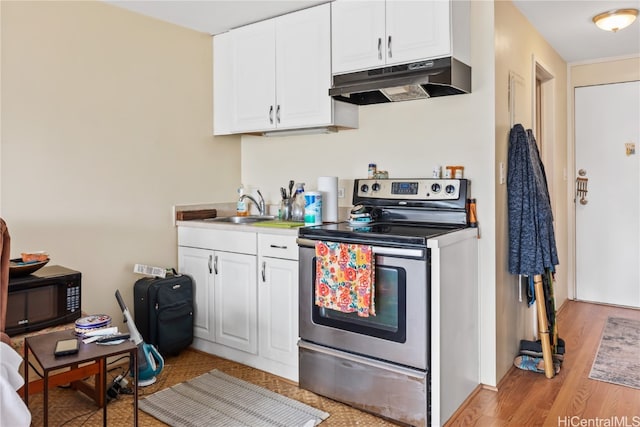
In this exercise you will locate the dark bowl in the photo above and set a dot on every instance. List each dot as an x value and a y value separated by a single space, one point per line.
19 268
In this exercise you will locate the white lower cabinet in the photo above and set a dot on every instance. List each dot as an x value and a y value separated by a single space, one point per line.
198 263
245 296
225 299
235 303
278 299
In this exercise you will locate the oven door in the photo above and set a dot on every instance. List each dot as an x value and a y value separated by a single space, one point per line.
398 333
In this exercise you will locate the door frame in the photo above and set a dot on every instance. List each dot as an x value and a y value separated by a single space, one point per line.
543 101
543 122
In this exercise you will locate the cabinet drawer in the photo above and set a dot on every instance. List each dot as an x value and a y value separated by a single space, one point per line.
224 240
278 246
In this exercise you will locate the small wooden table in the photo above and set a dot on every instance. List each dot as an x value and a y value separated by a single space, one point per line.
42 347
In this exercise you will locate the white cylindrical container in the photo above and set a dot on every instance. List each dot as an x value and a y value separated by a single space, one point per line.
328 186
312 208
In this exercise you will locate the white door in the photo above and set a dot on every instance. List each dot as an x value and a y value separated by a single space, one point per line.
607 133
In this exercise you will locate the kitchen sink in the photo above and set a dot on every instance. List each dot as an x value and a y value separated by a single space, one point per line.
249 219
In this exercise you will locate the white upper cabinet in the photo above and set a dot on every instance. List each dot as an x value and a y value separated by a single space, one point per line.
278 76
222 86
358 35
253 56
303 68
372 34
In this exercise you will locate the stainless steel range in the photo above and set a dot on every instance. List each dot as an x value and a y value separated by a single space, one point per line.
425 269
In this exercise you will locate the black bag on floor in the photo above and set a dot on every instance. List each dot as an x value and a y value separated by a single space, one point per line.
163 311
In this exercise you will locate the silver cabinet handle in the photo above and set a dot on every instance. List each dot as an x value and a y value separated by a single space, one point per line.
278 114
209 263
389 47
215 264
278 246
271 114
264 274
380 48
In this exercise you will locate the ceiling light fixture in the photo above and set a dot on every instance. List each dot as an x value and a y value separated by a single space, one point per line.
615 20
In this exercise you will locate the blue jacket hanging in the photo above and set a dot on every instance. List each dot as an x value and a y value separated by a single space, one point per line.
532 247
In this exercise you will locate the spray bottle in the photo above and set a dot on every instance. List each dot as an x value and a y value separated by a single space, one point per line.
241 205
297 213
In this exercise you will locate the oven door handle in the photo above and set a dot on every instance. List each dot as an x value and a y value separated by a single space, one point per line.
413 373
377 250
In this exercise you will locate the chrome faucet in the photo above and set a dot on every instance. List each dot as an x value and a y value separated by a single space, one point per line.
260 205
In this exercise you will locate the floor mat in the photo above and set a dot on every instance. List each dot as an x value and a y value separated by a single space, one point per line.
218 399
617 360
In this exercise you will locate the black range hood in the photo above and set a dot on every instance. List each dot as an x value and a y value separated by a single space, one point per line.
417 80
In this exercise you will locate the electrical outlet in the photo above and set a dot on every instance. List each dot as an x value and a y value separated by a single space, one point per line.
341 193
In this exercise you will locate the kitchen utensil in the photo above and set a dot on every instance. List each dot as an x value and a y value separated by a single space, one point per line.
291 188
286 208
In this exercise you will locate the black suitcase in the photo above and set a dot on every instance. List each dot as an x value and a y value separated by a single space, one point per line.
163 312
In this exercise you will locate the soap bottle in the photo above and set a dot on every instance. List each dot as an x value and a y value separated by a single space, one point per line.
297 213
241 205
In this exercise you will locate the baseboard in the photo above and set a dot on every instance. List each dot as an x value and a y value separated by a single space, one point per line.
465 403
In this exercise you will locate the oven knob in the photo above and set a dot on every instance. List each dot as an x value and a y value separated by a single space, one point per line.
450 189
364 188
375 187
435 188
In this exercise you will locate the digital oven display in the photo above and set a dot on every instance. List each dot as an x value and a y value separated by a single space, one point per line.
404 188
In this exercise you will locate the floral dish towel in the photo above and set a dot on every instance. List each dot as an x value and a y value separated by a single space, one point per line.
345 278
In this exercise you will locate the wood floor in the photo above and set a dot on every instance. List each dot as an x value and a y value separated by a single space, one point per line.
570 398
523 398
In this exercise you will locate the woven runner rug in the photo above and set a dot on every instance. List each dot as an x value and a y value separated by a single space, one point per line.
218 399
618 357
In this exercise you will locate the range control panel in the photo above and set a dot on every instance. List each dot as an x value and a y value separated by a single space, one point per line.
424 189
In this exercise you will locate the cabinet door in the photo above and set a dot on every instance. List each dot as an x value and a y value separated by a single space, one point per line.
222 84
278 296
358 35
198 263
253 56
416 30
303 68
236 301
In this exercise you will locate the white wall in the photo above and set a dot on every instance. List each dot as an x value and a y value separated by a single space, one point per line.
407 139
106 124
517 46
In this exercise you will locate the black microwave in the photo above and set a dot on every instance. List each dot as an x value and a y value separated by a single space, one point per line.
48 297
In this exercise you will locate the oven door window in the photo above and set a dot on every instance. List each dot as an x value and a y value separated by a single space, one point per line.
390 320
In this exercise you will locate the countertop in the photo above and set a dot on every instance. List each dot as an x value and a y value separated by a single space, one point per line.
228 209
246 228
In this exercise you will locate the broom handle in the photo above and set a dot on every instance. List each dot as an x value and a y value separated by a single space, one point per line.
543 327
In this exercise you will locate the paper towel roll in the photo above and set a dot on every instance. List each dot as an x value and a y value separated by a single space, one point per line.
328 185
